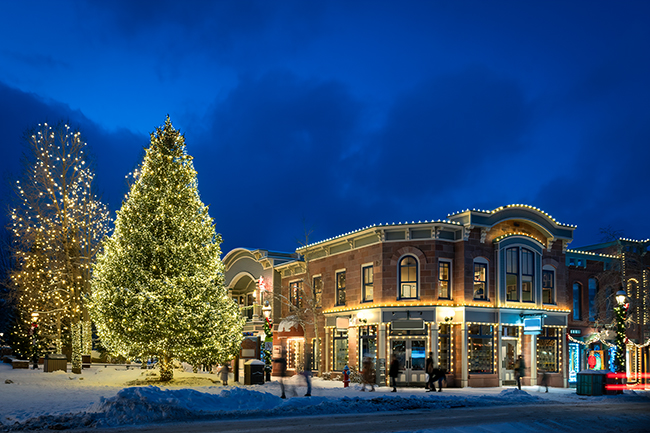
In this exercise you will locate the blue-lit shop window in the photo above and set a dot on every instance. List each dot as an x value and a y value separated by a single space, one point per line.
574 362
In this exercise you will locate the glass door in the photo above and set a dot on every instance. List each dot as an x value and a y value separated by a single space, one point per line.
411 356
508 358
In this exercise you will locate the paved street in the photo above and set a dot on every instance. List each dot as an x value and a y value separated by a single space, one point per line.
618 417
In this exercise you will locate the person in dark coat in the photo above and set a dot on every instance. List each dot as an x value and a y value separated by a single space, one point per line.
439 374
307 373
393 372
429 366
282 369
545 379
520 369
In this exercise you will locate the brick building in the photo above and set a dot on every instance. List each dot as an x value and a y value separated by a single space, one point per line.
475 289
596 274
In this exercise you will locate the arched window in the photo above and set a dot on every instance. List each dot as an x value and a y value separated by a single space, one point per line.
408 278
577 294
520 275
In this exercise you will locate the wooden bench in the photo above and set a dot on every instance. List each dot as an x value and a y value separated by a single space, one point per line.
20 363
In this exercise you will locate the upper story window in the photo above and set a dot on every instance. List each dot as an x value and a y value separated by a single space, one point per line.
480 280
444 280
512 274
408 278
295 291
340 288
520 275
527 275
367 284
593 288
548 285
577 294
317 285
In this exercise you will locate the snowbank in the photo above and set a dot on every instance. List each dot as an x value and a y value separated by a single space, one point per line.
98 398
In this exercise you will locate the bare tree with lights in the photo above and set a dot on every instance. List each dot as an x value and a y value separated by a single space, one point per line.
57 224
304 300
158 284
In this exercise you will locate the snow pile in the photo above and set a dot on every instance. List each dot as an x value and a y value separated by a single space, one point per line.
104 396
151 404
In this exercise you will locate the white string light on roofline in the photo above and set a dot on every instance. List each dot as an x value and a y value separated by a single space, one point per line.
599 338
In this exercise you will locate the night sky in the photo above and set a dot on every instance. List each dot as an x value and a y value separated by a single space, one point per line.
336 115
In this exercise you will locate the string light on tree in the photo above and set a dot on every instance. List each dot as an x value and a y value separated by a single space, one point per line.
158 285
57 224
620 312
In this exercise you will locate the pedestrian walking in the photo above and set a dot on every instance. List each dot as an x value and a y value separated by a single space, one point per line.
429 367
368 374
520 369
306 372
393 372
439 374
544 381
223 373
282 370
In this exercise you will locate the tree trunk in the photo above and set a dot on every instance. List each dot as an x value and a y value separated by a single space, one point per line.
76 347
166 368
87 334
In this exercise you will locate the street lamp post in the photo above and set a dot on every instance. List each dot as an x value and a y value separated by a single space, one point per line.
620 312
33 330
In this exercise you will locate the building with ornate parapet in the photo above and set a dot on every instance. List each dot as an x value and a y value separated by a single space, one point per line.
475 289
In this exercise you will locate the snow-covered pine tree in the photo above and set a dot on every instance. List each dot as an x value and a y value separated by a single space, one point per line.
158 284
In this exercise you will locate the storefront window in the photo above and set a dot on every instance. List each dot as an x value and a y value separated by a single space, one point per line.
481 353
444 347
547 350
315 355
367 343
295 355
340 350
574 362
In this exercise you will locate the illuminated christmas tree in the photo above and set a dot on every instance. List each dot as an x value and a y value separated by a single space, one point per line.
158 285
57 224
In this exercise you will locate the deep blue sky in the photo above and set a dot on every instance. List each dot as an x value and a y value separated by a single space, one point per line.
344 114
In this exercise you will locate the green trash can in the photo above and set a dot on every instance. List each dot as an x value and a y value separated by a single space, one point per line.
591 382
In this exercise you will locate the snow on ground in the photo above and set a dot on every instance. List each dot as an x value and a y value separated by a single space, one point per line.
105 396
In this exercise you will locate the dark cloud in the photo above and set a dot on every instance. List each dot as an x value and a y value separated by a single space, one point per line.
277 144
608 184
244 32
114 153
442 135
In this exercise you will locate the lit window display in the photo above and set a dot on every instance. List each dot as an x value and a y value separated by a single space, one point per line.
547 350
481 349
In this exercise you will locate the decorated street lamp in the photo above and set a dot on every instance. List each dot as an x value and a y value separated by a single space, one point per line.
620 311
33 331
